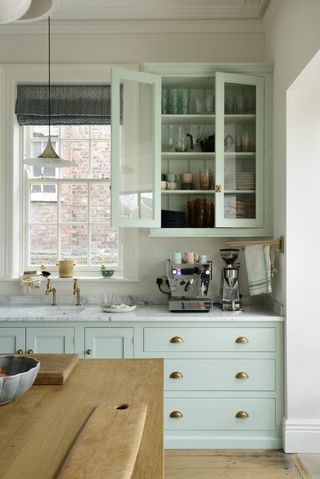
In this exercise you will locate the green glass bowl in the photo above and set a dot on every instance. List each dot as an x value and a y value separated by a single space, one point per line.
107 273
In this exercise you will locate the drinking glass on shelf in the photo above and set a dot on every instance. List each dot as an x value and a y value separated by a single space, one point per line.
173 101
209 102
199 102
165 101
171 138
245 141
229 104
205 179
183 101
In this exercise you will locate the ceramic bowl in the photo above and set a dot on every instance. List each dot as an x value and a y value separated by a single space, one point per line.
107 273
17 374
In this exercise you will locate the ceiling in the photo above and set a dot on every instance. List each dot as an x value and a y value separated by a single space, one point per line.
160 9
145 16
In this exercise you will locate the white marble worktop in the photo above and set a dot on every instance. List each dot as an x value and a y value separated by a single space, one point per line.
143 313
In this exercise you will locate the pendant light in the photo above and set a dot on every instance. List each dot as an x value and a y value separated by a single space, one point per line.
49 158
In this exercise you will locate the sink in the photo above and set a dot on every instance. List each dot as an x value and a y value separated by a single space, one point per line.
59 310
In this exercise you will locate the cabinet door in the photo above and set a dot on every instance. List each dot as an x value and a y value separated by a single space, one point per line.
108 343
12 340
239 150
135 149
50 340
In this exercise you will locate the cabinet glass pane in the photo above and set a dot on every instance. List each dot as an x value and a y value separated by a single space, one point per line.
136 196
240 151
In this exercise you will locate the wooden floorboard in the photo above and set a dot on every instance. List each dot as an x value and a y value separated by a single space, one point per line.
230 464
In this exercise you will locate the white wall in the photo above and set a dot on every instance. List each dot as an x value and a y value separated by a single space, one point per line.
138 48
291 41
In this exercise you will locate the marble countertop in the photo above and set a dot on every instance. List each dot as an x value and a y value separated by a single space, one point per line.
141 313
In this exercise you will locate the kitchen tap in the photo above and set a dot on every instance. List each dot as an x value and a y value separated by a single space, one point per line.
52 290
76 291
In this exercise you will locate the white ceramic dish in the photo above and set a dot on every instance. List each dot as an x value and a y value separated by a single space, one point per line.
117 308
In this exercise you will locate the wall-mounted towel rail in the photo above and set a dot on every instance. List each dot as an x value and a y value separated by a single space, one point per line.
275 244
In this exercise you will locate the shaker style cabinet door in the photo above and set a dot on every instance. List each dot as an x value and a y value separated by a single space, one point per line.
50 340
136 128
108 343
239 150
12 340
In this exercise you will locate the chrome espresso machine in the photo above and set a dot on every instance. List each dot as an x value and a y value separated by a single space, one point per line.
188 284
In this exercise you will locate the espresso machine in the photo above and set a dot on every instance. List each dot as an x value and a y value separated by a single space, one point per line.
229 286
188 285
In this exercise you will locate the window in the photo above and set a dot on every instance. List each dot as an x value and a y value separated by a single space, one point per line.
68 210
25 193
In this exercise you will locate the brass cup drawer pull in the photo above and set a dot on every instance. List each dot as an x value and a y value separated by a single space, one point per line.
30 351
176 375
20 351
242 415
176 340
89 351
242 375
176 414
242 340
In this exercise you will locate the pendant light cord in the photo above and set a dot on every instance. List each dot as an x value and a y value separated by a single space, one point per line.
49 77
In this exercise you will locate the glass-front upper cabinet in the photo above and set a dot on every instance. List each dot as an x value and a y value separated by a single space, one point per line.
239 150
136 127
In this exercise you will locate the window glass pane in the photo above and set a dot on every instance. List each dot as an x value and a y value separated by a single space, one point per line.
74 243
104 246
42 211
43 244
43 193
100 158
47 171
74 203
100 197
77 151
41 131
75 132
99 132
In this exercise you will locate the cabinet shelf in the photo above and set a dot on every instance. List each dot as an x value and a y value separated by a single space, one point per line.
239 118
188 192
197 155
191 119
239 154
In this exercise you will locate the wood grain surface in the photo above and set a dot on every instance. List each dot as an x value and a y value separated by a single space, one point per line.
55 368
39 429
108 444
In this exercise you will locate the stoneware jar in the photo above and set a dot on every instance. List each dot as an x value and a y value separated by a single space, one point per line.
66 268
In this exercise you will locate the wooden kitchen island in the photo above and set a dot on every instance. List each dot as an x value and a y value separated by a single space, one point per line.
38 429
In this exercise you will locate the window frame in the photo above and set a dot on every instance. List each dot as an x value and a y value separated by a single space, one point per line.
13 227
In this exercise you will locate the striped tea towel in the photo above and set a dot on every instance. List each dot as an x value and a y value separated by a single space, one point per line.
259 268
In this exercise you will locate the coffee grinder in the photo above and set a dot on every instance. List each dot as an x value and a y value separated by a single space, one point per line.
229 286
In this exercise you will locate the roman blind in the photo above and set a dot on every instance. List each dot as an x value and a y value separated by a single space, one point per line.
69 104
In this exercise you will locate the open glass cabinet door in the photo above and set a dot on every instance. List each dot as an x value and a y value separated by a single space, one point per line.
239 150
136 133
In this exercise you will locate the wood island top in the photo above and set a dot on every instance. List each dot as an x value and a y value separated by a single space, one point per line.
38 429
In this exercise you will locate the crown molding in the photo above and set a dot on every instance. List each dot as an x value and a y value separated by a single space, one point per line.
136 26
270 13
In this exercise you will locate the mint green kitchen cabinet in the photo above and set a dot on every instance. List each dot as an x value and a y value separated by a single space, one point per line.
19 340
108 343
224 126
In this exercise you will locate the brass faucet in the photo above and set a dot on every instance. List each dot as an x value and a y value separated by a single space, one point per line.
76 291
52 290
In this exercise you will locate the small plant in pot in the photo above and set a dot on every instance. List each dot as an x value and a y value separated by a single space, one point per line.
105 272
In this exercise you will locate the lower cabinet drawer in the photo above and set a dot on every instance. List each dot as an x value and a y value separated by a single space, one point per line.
219 413
219 374
235 339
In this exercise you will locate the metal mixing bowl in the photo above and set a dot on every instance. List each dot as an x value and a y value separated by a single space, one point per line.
17 374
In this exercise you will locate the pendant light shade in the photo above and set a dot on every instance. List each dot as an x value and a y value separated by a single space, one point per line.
49 158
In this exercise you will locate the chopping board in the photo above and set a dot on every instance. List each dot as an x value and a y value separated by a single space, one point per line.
55 368
108 444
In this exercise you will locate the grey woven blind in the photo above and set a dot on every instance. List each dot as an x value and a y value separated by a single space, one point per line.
69 104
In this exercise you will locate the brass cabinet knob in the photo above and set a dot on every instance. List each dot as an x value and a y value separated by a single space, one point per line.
30 351
242 340
242 375
176 375
218 189
242 415
176 340
20 351
176 414
89 351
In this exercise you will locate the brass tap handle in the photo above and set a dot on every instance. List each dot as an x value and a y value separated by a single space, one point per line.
20 351
75 285
242 375
176 340
242 415
176 414
176 375
30 351
242 340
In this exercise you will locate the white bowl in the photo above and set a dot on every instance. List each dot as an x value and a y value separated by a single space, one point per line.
20 373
